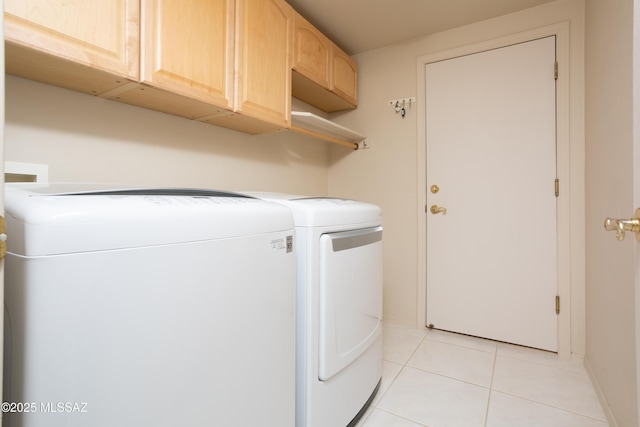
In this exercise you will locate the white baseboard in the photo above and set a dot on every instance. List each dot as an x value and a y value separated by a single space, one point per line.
603 401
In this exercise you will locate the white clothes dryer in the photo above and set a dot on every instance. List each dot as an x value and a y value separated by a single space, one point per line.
148 308
339 307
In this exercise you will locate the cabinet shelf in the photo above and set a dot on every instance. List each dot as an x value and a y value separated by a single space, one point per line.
318 127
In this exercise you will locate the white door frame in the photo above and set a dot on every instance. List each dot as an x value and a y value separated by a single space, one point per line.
561 31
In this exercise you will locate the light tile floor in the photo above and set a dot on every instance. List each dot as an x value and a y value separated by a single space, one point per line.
440 379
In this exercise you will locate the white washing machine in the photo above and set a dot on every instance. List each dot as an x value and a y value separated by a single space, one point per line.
339 307
148 308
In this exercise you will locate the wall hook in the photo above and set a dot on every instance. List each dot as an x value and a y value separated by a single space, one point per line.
400 105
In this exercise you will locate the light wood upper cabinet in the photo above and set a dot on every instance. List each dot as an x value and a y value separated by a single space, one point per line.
311 52
263 60
89 46
186 65
225 62
187 47
323 74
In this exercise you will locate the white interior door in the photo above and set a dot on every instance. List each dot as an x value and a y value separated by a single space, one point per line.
491 152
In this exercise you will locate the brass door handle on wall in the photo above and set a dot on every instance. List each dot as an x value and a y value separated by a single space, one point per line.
620 226
435 209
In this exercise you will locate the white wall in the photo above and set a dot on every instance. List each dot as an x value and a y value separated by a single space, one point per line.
387 174
612 313
84 138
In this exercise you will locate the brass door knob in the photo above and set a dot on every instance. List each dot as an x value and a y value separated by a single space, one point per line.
620 226
435 209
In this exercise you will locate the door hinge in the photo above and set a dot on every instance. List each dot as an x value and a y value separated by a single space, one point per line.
555 70
557 304
557 184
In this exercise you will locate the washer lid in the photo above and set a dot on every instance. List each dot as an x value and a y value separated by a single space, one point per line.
52 219
323 211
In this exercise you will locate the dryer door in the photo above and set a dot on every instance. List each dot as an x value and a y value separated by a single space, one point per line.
350 297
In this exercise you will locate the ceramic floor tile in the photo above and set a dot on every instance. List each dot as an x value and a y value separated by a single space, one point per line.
561 388
510 411
434 400
399 342
441 379
461 363
363 420
389 372
539 356
380 418
462 340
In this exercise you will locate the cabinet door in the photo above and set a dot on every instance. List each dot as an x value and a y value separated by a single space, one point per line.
263 60
344 80
77 42
323 75
311 52
187 48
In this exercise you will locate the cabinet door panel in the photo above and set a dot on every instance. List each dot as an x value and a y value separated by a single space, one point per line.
311 52
92 47
345 76
263 52
100 34
187 48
